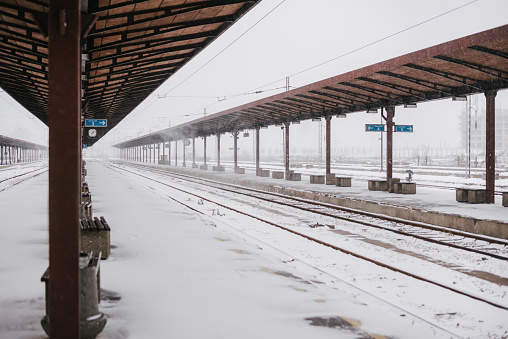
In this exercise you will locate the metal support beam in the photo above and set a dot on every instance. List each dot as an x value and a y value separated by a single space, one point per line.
204 150
235 148
193 151
184 163
328 144
286 160
64 27
176 152
490 149
257 149
390 112
218 149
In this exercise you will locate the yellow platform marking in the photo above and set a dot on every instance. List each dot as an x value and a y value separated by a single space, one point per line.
357 323
297 288
319 301
239 251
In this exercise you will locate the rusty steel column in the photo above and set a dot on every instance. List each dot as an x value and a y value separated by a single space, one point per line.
286 160
163 152
328 144
184 164
490 146
204 150
64 27
193 151
169 153
257 150
218 149
390 111
235 147
176 152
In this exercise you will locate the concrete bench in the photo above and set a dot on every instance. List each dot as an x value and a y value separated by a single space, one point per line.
91 322
86 210
262 173
377 185
203 167
317 179
330 179
278 174
194 165
218 168
343 181
239 170
505 199
404 187
470 195
86 197
95 236
390 183
292 176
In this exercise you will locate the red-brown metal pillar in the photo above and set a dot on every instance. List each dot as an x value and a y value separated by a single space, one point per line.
64 27
235 148
286 160
257 151
390 111
163 152
218 149
204 150
328 144
193 152
184 164
169 153
490 149
176 152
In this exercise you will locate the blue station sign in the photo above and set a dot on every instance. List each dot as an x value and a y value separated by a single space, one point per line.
85 146
96 122
375 128
404 128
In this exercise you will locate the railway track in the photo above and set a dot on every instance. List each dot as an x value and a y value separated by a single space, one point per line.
321 207
19 178
488 246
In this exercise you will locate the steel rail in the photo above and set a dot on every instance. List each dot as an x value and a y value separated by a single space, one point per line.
377 262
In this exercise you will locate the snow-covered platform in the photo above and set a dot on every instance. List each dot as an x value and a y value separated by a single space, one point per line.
429 205
175 274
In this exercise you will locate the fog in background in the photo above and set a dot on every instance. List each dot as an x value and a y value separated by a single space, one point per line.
306 41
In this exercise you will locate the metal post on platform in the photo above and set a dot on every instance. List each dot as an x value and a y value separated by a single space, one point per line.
235 148
176 152
328 144
218 149
257 149
184 164
169 153
64 65
193 152
490 146
204 150
163 152
390 112
286 160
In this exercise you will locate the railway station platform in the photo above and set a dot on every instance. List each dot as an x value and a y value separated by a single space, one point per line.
431 205
174 274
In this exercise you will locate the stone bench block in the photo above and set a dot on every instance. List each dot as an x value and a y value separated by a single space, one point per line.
343 181
377 185
293 176
330 179
194 165
203 167
404 187
476 196
239 170
317 179
277 174
218 168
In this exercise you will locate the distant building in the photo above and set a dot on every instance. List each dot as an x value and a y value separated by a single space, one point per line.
478 130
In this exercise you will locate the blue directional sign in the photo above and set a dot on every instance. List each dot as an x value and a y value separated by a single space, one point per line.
84 146
374 128
404 128
96 122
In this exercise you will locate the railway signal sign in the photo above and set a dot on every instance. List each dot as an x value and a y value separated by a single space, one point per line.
404 128
96 123
375 128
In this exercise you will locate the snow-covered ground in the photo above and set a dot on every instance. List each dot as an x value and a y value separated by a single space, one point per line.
175 273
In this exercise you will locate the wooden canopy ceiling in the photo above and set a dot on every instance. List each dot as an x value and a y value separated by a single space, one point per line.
130 47
472 64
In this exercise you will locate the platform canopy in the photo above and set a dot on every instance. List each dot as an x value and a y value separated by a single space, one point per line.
472 64
6 141
129 48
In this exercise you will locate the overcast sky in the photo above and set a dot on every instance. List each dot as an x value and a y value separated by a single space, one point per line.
296 39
